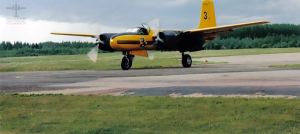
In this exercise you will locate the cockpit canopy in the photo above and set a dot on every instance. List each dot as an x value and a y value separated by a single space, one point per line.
138 31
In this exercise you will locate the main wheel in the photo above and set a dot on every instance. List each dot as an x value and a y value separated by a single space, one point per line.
131 57
187 61
126 63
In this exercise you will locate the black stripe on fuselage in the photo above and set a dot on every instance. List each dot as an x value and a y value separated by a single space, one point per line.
129 42
133 42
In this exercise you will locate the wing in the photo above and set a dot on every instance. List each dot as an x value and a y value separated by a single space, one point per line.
76 34
225 28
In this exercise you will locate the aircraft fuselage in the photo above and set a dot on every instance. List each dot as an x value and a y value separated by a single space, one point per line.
165 41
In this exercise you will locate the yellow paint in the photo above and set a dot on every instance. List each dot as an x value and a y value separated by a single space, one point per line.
76 34
143 53
208 16
226 28
125 47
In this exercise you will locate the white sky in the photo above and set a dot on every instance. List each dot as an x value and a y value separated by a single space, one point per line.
39 31
99 16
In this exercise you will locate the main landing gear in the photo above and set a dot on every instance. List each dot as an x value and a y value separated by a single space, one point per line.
127 61
186 60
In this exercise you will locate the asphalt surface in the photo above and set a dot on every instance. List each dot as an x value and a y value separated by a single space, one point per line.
241 76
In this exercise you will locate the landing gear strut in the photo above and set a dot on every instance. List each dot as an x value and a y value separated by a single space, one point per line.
186 60
127 61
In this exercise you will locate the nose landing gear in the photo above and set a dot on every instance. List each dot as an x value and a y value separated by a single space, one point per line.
127 60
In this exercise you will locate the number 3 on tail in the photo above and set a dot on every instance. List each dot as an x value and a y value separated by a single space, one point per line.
205 15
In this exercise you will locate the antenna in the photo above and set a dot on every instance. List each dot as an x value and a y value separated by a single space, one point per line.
16 7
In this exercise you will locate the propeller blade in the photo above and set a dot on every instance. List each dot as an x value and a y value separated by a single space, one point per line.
154 26
93 54
151 55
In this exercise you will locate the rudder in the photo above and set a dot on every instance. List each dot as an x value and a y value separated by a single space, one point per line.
208 16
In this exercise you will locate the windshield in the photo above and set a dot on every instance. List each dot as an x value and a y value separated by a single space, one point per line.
132 30
139 31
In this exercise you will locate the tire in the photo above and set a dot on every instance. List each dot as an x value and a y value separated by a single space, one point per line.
187 61
126 63
131 57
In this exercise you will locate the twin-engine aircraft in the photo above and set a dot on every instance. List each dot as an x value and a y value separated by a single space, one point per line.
136 42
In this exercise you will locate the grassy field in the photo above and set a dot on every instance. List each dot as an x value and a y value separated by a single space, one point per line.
109 61
51 114
288 66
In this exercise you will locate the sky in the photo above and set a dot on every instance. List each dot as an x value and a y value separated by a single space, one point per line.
100 16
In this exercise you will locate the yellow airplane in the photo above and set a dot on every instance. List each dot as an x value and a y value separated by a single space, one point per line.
136 42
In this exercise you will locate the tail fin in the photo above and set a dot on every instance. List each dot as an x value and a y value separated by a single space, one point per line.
208 16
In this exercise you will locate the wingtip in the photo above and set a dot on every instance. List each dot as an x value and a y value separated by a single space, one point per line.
265 21
55 33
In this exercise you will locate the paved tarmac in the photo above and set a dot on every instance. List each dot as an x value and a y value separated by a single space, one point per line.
248 76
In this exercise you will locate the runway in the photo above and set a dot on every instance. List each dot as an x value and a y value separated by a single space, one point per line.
240 76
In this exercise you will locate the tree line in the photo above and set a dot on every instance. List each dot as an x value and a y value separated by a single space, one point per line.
16 49
262 36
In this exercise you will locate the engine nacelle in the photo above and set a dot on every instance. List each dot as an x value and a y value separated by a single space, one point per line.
169 40
180 41
105 42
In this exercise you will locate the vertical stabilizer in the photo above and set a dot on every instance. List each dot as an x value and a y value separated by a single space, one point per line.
208 16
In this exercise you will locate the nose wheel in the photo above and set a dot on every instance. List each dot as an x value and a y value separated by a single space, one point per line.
186 60
127 62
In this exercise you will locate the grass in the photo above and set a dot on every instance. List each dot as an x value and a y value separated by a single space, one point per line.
288 66
108 61
148 115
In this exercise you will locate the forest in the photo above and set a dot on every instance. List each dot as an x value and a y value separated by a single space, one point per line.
264 36
18 49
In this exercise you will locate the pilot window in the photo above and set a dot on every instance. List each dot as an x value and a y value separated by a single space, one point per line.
143 31
138 31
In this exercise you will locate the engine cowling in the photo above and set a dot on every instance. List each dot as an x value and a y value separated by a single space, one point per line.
180 41
169 40
104 43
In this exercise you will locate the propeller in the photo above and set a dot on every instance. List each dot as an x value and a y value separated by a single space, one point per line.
93 53
151 55
155 28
